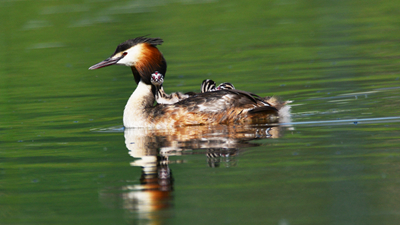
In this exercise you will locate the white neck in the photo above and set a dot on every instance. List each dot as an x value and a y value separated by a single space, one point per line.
135 109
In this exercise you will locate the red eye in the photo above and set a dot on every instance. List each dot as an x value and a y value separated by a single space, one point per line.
125 53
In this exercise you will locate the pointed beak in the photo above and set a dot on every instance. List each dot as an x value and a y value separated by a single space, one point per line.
108 62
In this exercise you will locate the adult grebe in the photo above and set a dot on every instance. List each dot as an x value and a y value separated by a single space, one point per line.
228 106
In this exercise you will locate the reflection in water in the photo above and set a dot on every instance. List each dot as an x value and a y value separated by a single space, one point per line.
152 148
154 192
152 197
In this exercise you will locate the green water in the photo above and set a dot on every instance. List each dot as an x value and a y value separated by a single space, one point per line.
64 158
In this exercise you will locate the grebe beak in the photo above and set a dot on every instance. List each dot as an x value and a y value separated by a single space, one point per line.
108 62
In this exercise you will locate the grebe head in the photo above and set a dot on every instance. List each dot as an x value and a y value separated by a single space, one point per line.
141 54
157 79
207 86
225 85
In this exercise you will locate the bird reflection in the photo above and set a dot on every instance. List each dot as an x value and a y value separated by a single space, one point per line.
153 194
152 150
183 140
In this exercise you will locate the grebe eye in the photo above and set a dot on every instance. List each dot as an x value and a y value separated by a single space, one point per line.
125 53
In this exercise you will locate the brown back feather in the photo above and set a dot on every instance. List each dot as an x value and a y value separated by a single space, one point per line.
219 107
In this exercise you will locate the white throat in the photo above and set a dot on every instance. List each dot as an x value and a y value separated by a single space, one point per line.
135 114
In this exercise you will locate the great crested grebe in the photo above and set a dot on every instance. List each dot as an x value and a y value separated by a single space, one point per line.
227 106
157 79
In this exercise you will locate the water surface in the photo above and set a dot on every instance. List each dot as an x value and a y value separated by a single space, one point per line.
65 158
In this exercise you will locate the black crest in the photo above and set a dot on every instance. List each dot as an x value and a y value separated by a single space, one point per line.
132 42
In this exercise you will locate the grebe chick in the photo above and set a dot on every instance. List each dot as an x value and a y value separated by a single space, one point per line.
228 106
161 97
209 85
225 85
282 106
